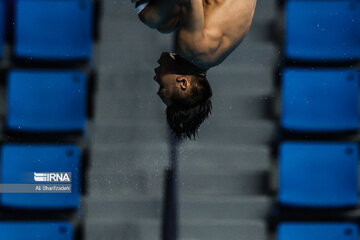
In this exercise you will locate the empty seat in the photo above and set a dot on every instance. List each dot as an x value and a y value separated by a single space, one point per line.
319 30
316 231
53 30
32 164
320 100
46 101
36 230
318 174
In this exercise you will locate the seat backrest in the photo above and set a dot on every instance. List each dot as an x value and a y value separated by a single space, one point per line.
46 101
53 30
32 165
322 30
321 100
318 174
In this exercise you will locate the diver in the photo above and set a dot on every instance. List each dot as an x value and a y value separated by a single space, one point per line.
207 31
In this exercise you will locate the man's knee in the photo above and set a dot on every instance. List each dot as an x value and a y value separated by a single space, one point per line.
169 26
148 16
145 13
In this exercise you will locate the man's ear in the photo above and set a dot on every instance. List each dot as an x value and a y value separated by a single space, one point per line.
184 82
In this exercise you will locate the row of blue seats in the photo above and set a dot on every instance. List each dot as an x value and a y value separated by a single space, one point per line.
322 30
50 29
319 175
320 100
46 100
285 231
312 174
32 164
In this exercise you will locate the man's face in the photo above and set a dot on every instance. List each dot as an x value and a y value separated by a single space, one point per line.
165 76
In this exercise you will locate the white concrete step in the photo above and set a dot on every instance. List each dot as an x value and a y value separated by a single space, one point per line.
190 208
193 156
143 229
122 182
142 132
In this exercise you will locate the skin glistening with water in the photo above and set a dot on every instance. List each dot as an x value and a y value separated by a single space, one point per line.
207 31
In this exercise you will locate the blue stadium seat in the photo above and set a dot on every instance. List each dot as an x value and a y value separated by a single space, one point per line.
18 164
320 100
320 30
318 174
53 29
316 231
46 101
36 230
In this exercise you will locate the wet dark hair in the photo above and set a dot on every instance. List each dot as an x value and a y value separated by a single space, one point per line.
186 113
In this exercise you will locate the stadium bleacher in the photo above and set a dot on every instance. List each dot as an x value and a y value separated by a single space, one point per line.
223 180
210 177
45 111
319 88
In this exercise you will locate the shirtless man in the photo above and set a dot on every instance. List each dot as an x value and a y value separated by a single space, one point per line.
207 31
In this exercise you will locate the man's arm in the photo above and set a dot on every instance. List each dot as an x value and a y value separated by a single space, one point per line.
159 13
193 22
193 39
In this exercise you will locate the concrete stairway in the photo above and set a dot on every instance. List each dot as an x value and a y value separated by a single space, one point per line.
223 174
